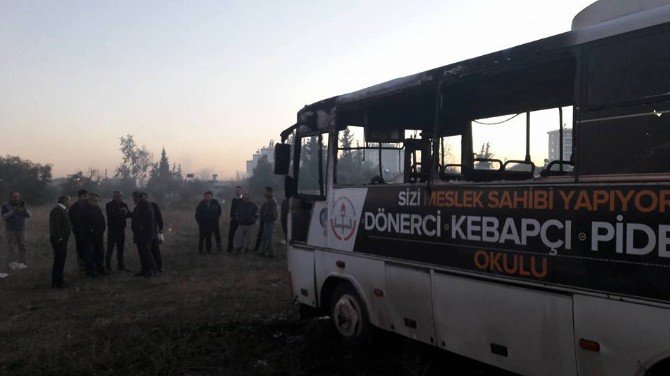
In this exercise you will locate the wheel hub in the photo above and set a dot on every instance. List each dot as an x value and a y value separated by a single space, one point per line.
347 316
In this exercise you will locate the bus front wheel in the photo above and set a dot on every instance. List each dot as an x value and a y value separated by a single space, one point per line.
349 315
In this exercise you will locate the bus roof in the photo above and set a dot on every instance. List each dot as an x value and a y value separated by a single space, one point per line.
600 20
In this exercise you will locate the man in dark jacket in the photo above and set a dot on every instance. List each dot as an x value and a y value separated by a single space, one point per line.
207 215
144 231
117 213
268 218
216 229
59 233
156 242
14 212
93 230
246 216
75 220
233 222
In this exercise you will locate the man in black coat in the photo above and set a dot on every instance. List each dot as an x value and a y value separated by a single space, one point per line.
144 232
156 242
74 213
59 233
207 215
216 229
117 213
233 221
93 230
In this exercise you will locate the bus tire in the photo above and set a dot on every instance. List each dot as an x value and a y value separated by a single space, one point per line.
660 368
349 316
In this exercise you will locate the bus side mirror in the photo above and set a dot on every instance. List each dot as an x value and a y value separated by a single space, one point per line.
282 158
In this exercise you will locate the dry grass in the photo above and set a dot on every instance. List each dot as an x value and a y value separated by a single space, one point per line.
121 323
207 314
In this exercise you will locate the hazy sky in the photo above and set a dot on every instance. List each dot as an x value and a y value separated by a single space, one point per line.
212 81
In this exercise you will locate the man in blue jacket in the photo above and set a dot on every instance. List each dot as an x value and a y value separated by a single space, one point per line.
14 212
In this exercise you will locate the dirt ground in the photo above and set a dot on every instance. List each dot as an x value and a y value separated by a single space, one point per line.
217 314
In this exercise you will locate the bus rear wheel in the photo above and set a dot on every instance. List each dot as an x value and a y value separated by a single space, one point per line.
349 315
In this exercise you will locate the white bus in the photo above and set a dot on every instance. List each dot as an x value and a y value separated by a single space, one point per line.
425 206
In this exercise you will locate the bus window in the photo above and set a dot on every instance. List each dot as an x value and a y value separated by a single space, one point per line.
450 158
624 127
623 71
500 144
418 159
358 161
554 162
498 139
636 145
311 178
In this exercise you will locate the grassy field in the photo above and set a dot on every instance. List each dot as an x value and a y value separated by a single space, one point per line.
218 314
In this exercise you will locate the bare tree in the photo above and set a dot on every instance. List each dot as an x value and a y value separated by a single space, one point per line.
136 161
486 155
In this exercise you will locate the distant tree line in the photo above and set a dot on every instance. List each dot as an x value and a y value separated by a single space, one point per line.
33 180
352 168
136 171
163 181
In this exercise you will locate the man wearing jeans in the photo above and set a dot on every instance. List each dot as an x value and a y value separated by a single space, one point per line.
268 217
14 213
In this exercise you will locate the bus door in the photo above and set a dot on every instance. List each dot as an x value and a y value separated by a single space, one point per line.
307 213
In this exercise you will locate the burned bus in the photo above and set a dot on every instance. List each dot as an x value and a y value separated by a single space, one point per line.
425 207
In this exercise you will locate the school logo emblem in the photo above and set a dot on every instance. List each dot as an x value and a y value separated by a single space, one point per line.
343 219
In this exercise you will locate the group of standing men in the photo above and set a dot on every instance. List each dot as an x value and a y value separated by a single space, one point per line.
86 221
244 214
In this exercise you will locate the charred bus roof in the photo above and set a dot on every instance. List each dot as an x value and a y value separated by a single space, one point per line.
528 77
